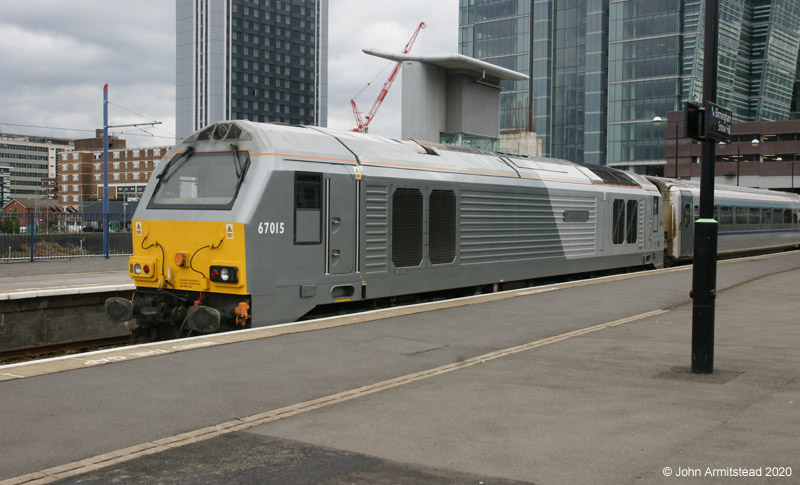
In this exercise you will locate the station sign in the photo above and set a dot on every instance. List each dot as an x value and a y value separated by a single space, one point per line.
718 123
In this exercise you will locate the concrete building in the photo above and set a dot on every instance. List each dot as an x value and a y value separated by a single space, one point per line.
29 160
5 185
601 70
451 99
80 176
263 61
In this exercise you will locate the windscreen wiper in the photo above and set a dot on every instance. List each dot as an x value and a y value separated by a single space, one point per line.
236 162
241 168
163 177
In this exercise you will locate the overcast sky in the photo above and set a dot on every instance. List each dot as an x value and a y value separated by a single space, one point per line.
56 56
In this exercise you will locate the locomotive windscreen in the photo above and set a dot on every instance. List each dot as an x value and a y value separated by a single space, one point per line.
200 180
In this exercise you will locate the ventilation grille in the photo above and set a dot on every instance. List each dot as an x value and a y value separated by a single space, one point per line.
406 227
442 231
377 228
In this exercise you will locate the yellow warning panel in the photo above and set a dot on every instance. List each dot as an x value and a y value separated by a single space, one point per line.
181 254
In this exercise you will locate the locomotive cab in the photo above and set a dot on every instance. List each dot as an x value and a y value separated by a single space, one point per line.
188 260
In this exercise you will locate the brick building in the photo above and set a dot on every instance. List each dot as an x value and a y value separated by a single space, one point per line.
763 154
80 174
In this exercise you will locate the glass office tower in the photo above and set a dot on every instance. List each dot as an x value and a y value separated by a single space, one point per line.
601 70
260 60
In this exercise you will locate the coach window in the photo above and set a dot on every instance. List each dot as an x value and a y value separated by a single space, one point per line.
753 215
726 215
766 217
655 214
618 221
632 223
406 228
741 215
687 214
307 208
777 216
787 216
442 227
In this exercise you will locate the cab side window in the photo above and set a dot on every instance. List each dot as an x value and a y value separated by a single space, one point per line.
307 208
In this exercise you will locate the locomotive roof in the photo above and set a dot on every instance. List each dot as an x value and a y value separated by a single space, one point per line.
351 148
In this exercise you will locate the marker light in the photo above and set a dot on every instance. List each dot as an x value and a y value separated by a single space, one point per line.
137 268
180 259
224 274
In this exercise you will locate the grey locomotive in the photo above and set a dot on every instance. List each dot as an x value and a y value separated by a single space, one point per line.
246 224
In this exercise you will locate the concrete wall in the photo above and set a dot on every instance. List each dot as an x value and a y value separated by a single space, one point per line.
423 112
37 321
472 107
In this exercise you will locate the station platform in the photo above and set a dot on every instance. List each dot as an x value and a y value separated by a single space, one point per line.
581 382
25 279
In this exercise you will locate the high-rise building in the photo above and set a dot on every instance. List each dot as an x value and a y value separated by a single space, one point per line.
30 160
601 70
261 60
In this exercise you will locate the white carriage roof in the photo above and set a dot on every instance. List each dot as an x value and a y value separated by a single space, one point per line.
455 61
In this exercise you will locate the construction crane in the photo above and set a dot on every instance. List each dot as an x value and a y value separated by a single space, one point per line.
363 123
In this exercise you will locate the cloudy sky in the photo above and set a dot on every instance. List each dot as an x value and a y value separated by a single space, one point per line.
56 56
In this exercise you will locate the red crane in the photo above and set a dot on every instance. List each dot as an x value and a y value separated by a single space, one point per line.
362 124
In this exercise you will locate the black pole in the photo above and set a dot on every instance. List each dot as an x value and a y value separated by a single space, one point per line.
704 277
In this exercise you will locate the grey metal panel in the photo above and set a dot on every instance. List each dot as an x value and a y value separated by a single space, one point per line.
472 107
423 113
341 223
376 228
307 229
577 238
502 226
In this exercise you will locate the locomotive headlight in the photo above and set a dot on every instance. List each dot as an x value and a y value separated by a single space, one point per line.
142 268
224 274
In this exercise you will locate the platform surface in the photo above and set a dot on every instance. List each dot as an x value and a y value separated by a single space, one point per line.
48 276
584 382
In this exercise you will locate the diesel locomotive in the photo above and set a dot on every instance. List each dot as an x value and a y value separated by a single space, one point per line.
246 224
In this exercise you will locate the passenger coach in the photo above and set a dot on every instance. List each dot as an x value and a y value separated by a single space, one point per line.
749 219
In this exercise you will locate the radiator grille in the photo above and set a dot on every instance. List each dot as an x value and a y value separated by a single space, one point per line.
406 227
442 230
376 230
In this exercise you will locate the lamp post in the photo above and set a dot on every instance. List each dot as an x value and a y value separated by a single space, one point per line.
106 126
657 122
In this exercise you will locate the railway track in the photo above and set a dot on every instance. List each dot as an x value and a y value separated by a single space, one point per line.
57 350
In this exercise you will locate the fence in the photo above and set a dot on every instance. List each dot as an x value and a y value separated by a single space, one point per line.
61 235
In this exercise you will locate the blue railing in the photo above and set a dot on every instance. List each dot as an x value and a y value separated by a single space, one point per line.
61 235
